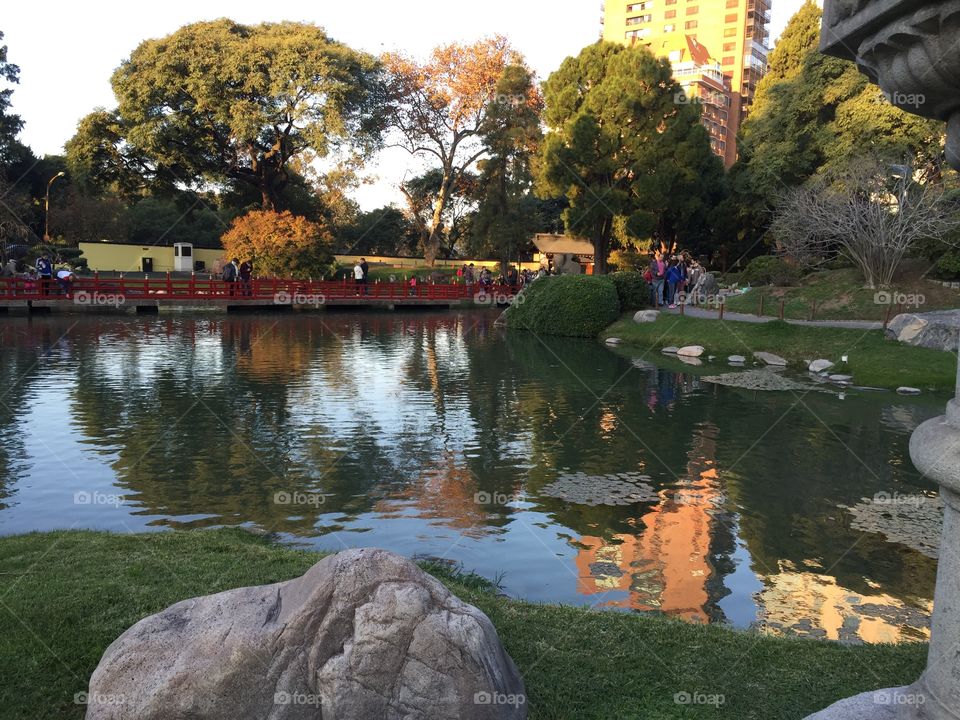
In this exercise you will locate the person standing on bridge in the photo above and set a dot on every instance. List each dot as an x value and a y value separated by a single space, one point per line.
246 276
45 271
366 274
358 276
230 272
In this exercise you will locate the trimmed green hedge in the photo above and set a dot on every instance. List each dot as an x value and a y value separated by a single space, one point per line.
568 305
632 289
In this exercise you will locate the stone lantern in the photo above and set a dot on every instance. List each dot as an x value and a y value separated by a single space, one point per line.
911 50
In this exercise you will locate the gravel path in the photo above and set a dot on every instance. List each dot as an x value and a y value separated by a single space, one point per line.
696 312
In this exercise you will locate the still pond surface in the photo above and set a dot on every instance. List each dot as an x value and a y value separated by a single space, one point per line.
567 472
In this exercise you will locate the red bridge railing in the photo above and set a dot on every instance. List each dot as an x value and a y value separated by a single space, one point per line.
116 290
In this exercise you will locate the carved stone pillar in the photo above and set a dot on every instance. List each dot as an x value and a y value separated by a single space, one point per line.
911 50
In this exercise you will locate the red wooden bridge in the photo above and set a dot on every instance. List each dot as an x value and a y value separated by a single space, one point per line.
147 293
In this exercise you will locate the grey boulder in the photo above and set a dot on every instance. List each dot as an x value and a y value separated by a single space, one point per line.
363 634
770 358
691 351
671 350
818 366
736 359
939 329
646 316
908 390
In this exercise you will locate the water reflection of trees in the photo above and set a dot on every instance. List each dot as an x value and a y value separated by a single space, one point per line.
203 420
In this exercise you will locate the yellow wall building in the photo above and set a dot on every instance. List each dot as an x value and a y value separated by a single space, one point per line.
733 31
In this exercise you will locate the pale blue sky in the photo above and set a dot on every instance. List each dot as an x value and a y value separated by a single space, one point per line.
67 50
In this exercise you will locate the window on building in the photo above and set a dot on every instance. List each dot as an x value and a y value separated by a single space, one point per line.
693 10
669 14
730 32
728 60
729 47
639 7
674 56
671 2
732 3
690 24
669 28
639 19
637 34
731 18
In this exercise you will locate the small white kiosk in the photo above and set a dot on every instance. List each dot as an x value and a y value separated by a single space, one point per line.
183 257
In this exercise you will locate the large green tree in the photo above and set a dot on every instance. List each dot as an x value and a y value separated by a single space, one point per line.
219 102
620 146
813 114
10 124
506 215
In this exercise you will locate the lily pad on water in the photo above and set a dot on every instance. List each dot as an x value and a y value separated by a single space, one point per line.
912 520
756 380
612 489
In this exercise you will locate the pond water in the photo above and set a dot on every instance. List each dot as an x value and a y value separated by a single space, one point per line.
563 470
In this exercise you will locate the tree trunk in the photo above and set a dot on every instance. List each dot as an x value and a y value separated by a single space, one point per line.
601 247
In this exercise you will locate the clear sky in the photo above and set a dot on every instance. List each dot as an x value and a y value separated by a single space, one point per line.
68 50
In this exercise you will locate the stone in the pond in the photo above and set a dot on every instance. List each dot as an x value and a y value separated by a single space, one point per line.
818 366
908 391
363 634
841 378
687 360
736 359
671 350
613 341
770 358
646 316
694 351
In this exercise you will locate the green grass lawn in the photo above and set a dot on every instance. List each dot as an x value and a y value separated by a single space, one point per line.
840 295
873 359
66 595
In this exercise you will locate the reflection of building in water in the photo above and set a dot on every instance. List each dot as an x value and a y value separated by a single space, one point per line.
667 566
805 603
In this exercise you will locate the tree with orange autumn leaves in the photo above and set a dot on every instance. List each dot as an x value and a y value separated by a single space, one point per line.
440 110
281 244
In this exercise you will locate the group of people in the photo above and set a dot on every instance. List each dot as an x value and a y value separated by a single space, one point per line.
236 272
361 276
673 278
469 275
41 276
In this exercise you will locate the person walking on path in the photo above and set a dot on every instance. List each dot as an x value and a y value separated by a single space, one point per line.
658 271
673 279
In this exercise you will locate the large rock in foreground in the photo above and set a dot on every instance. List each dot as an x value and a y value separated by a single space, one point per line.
939 329
363 634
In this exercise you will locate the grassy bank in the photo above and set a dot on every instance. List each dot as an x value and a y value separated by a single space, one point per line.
67 595
840 295
873 359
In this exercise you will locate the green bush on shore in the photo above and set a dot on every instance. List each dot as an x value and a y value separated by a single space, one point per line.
632 290
770 270
567 305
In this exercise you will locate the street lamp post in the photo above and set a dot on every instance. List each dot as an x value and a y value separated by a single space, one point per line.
46 207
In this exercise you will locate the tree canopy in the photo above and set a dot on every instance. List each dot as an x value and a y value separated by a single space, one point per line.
620 146
440 110
220 102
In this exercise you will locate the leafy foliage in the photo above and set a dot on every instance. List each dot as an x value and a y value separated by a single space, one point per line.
281 244
632 290
441 109
10 124
568 305
620 146
770 270
224 102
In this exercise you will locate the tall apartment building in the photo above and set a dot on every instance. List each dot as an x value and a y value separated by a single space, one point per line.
698 37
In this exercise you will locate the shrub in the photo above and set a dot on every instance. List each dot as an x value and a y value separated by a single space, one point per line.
770 270
632 290
281 245
568 305
948 266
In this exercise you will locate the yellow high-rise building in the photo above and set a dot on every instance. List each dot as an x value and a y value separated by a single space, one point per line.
733 34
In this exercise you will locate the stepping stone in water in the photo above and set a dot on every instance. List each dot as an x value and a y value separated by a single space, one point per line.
770 358
613 341
841 378
736 359
908 391
693 351
818 366
670 350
